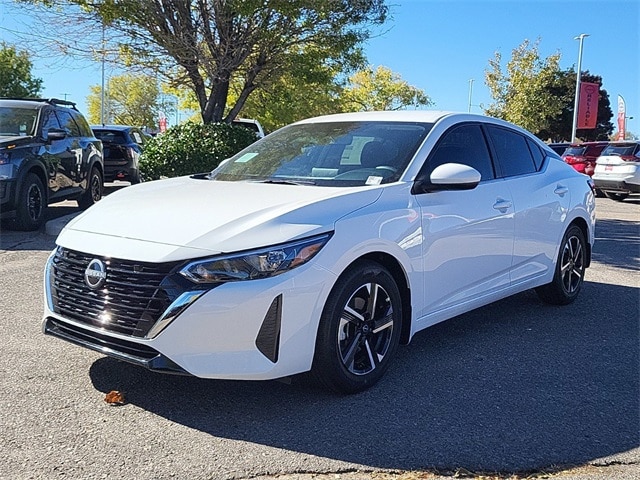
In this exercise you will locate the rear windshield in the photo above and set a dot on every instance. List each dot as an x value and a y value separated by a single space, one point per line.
626 150
574 151
111 137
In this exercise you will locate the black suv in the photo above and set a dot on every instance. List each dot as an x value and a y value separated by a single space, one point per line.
121 147
48 153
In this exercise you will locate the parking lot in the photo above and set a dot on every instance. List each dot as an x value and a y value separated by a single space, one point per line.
516 386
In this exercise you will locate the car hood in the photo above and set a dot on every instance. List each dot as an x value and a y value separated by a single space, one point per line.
183 218
16 140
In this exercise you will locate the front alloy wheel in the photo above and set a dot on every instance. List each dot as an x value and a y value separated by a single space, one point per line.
366 329
359 329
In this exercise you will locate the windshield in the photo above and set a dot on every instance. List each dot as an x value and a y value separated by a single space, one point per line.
16 122
328 154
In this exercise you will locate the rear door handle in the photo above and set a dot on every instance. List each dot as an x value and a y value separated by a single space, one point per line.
502 205
561 190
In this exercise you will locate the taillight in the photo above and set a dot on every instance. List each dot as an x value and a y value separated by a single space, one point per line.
629 158
131 153
571 160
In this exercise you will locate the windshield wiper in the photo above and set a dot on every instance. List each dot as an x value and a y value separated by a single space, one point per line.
284 181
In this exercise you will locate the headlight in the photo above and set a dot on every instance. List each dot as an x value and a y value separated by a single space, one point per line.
266 262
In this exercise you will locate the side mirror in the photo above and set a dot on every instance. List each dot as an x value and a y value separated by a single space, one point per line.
55 134
450 176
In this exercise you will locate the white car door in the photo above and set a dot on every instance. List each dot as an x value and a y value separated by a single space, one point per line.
540 199
467 234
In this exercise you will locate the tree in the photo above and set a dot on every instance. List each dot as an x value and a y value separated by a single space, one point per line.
305 88
381 89
522 94
16 79
209 44
559 127
129 100
537 95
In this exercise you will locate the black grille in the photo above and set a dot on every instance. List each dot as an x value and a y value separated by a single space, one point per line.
133 297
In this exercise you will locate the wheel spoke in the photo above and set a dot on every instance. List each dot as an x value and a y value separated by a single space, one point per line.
351 316
577 256
373 289
383 323
351 351
373 356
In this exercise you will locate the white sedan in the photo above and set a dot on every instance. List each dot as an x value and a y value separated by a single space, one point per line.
321 248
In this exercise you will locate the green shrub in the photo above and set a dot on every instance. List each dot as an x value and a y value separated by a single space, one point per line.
192 148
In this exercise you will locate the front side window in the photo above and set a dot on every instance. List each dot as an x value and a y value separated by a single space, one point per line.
81 122
67 122
514 156
50 121
463 144
328 154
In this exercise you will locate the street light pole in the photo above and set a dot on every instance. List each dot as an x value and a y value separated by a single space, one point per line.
470 91
580 37
102 88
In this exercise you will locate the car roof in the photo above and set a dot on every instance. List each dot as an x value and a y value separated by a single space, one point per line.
588 144
420 116
624 142
36 102
112 127
426 116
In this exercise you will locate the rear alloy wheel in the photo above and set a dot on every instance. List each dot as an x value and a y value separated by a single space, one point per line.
570 268
618 197
32 204
94 190
359 329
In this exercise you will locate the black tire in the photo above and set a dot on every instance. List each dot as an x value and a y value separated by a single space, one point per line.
600 193
359 332
570 268
135 178
94 191
31 204
618 197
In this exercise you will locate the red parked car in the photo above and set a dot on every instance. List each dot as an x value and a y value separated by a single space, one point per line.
583 156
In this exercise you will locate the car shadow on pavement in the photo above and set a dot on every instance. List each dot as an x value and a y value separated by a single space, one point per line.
617 242
516 385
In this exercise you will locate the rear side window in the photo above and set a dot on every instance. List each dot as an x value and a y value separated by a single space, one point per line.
537 154
137 137
466 145
514 156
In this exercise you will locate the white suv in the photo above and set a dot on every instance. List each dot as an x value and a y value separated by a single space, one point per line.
251 124
617 171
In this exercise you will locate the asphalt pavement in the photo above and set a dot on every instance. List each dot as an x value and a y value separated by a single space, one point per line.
516 389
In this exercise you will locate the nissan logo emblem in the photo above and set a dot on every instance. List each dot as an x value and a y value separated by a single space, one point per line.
95 274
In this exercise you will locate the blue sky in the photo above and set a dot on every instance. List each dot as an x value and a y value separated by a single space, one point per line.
439 45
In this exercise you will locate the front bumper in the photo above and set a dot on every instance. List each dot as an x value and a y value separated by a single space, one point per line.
246 330
7 198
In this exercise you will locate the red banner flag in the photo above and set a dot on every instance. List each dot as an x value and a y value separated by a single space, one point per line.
588 106
622 113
